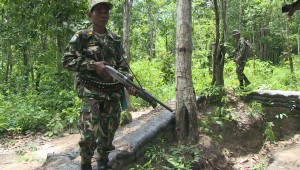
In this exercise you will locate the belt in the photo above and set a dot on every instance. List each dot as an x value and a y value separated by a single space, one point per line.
99 86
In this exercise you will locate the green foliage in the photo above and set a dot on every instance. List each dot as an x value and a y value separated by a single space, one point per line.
168 68
260 166
38 95
281 116
66 119
146 166
2 124
171 157
22 116
55 126
34 110
56 101
268 133
264 76
126 117
149 74
219 117
212 91
255 108
202 77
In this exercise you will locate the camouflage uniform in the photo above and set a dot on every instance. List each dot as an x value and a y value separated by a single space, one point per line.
100 113
240 55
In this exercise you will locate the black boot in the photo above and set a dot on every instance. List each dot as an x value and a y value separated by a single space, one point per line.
241 84
102 164
247 82
86 167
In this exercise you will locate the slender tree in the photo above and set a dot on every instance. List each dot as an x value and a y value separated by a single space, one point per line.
126 26
289 55
241 14
151 20
218 53
186 109
299 40
126 36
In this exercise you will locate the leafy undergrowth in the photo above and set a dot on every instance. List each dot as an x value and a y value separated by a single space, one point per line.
166 154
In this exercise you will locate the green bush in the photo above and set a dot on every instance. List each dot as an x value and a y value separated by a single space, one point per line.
151 78
160 156
55 106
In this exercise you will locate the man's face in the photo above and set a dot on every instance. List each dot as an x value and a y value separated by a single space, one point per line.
99 15
236 36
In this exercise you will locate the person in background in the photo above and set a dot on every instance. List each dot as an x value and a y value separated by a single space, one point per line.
87 54
240 58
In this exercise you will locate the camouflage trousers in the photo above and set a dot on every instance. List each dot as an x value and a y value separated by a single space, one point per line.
98 122
240 70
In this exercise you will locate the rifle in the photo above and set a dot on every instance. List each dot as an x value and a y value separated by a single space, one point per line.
140 92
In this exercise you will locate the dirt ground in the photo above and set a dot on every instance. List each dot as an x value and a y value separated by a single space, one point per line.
30 152
260 160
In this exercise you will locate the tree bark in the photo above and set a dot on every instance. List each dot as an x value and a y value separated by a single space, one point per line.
224 25
151 21
289 46
126 26
126 38
9 61
26 65
8 50
263 46
299 41
240 14
186 109
218 54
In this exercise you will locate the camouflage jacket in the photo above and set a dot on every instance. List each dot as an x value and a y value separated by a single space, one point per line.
240 49
86 47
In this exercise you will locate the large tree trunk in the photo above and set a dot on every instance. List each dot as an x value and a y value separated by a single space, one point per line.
186 109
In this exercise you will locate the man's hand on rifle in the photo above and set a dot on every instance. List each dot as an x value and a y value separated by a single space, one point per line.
100 69
131 91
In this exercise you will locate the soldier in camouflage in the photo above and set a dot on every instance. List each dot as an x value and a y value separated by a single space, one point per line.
240 58
87 54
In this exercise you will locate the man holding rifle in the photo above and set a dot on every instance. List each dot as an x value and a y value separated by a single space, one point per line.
87 53
241 55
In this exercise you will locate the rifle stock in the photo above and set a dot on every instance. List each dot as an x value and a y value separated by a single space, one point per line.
140 92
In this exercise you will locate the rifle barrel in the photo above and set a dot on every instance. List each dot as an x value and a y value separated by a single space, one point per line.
141 92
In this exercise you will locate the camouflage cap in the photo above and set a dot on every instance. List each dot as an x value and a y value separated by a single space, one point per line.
235 32
96 2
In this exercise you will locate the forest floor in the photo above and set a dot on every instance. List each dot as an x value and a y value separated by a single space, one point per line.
30 152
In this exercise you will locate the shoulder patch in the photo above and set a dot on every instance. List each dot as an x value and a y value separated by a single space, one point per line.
74 38
86 34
